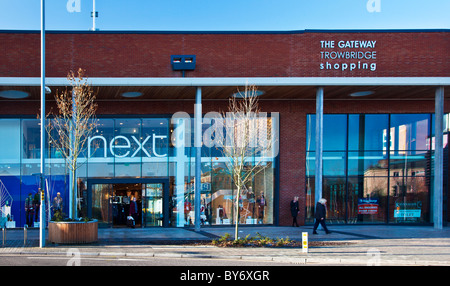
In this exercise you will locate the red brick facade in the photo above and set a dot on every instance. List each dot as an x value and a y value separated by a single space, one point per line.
398 54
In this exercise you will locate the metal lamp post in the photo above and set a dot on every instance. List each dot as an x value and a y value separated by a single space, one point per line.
42 225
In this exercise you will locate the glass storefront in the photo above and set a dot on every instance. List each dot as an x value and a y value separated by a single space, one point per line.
138 154
377 168
112 201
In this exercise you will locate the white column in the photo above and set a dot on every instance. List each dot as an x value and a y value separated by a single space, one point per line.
198 155
319 144
180 169
438 159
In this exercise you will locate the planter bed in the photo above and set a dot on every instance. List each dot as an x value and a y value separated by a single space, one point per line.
72 232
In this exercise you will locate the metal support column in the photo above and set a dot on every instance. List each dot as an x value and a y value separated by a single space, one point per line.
319 144
181 122
198 154
438 159
42 223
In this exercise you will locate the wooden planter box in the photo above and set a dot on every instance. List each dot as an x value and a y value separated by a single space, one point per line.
73 232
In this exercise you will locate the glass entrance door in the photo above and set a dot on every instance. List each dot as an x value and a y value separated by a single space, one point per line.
111 201
101 204
152 204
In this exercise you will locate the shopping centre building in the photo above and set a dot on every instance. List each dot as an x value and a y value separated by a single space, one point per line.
355 113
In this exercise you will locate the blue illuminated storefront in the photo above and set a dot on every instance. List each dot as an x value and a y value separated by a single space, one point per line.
19 168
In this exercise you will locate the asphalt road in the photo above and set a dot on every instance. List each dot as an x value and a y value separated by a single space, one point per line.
181 270
59 260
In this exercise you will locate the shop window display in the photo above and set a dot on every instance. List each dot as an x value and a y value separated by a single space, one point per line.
158 157
383 173
255 202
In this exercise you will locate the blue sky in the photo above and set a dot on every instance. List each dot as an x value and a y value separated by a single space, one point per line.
228 15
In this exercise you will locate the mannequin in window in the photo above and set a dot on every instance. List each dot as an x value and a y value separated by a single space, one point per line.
262 203
57 204
187 210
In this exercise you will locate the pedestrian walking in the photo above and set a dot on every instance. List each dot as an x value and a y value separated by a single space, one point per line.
37 204
294 211
320 216
29 210
133 212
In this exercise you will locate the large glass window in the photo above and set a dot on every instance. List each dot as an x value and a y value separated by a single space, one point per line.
101 203
410 132
31 146
367 197
20 165
380 174
410 168
135 148
408 199
256 201
334 127
101 161
155 147
125 148
367 132
10 147
334 165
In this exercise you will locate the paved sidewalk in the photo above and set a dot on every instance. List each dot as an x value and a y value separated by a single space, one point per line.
346 245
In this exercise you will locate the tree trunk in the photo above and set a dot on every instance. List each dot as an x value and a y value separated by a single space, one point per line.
74 194
236 213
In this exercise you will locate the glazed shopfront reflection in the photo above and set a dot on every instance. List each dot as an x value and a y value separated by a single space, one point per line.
377 168
139 151
132 157
128 203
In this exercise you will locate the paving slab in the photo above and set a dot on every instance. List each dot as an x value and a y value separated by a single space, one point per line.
346 245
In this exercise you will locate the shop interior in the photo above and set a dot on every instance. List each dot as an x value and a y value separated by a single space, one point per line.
127 202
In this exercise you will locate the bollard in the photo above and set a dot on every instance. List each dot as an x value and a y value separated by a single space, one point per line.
305 241
25 235
4 236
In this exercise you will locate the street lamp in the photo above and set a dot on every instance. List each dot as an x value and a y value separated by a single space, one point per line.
43 92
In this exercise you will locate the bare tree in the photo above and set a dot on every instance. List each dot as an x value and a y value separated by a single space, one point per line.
247 142
72 125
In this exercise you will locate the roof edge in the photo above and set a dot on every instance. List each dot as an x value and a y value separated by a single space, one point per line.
235 81
229 32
